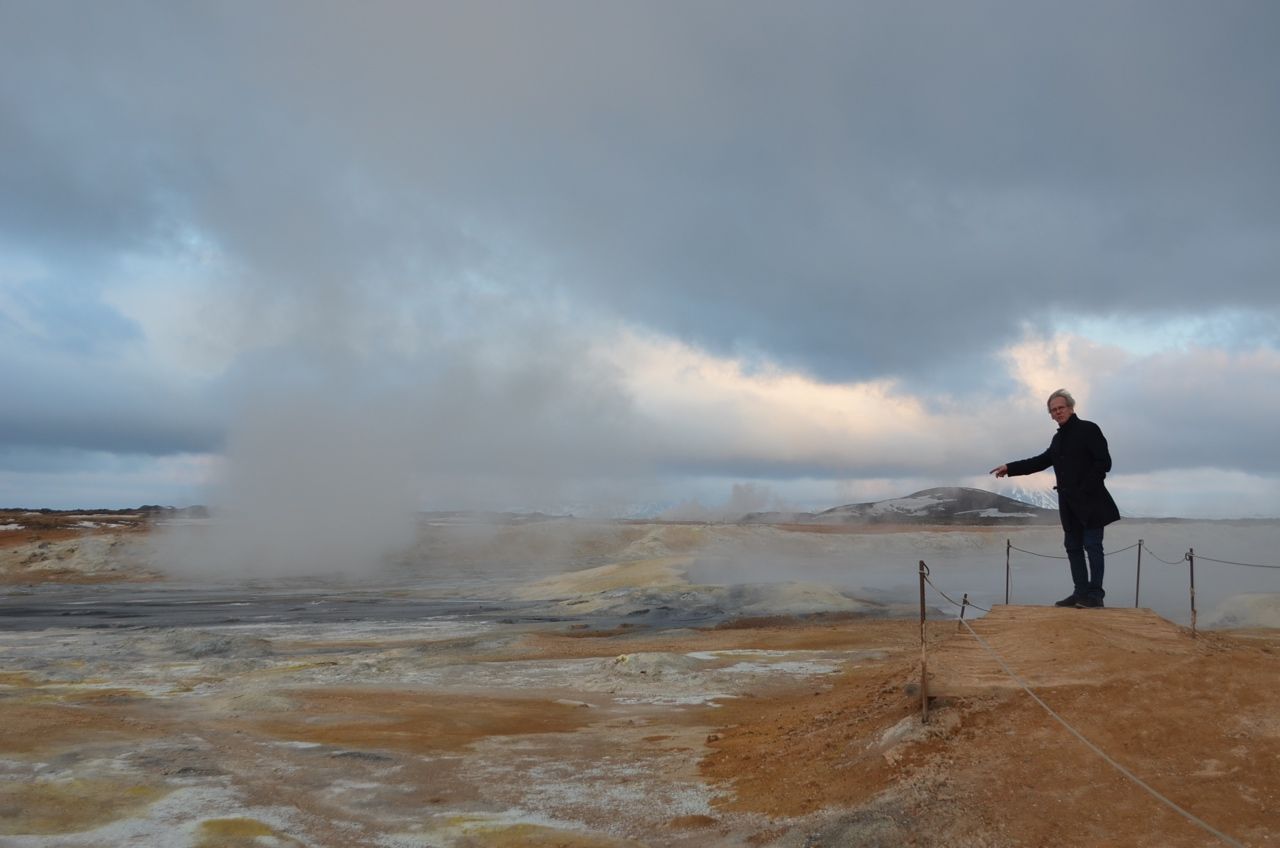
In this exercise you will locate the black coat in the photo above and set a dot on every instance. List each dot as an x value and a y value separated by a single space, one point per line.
1080 460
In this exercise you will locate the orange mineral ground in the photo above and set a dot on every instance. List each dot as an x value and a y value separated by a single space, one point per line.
792 727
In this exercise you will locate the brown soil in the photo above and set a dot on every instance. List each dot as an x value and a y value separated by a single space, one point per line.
1194 718
43 551
819 633
80 718
535 836
414 721
58 527
840 760
20 576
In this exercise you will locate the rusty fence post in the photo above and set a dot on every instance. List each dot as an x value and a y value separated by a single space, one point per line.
1191 562
1137 583
1008 546
964 605
924 660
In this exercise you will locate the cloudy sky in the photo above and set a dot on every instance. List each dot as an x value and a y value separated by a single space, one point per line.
629 255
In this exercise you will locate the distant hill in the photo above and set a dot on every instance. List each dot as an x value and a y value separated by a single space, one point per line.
946 505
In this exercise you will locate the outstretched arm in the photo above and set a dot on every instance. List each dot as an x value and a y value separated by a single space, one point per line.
1025 466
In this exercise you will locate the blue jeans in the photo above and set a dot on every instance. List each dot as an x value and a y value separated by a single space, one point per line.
1079 543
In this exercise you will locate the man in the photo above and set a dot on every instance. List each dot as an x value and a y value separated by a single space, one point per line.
1080 460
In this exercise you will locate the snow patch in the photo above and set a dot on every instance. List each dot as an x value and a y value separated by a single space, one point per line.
995 512
910 506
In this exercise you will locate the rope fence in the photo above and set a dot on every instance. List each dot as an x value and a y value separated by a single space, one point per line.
1204 558
1190 558
1179 561
925 579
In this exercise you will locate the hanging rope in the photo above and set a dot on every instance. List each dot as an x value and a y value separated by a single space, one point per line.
1203 558
1179 561
1033 553
953 601
1057 556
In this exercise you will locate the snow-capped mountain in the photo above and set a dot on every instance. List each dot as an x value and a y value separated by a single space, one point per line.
1045 499
947 505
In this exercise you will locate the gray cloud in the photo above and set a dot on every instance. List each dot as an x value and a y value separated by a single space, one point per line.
55 401
810 184
400 194
1177 411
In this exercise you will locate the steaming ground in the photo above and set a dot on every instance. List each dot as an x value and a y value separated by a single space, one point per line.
577 683
878 565
746 568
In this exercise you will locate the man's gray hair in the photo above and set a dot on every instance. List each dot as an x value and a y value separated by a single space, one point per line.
1065 395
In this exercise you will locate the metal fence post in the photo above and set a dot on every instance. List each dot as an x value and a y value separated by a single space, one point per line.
924 661
1008 546
1191 561
1137 584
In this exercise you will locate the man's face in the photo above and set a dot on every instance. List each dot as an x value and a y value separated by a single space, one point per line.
1059 411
